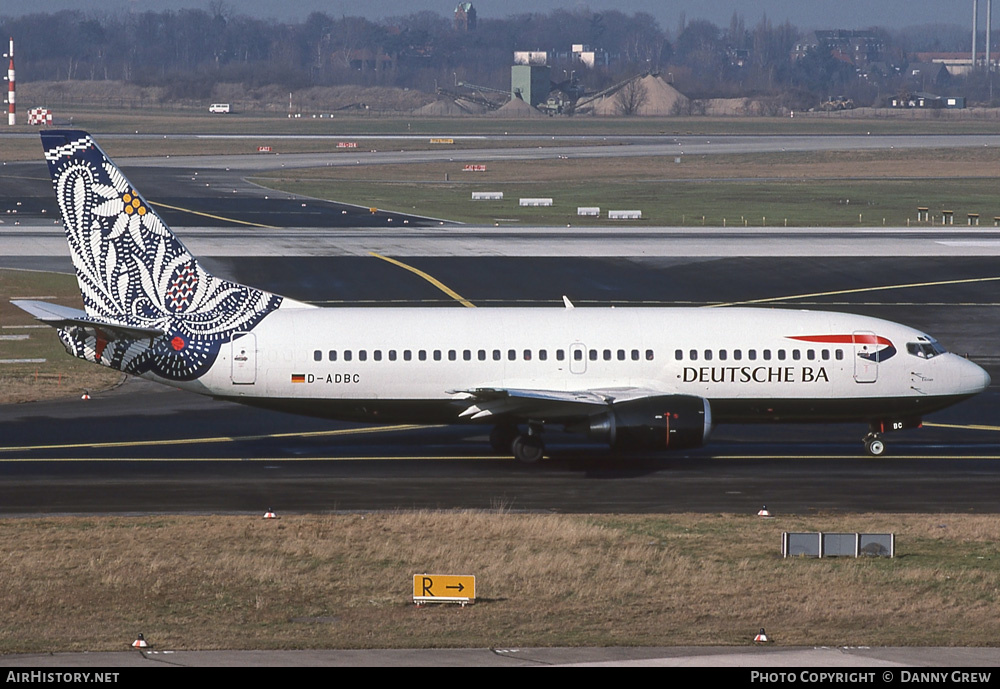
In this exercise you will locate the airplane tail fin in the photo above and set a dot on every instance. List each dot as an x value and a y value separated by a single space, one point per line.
135 274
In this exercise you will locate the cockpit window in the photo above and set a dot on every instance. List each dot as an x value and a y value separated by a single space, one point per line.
925 348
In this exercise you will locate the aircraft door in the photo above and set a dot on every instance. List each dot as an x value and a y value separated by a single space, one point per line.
577 358
866 356
243 355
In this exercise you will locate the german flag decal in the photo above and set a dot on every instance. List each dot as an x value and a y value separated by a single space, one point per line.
298 377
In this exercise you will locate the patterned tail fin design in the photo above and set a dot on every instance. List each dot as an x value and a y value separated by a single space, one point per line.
133 271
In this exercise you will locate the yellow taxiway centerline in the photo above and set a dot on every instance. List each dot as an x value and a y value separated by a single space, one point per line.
434 281
214 217
858 290
219 439
964 427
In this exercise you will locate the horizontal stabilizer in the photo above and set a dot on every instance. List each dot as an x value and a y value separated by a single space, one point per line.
63 316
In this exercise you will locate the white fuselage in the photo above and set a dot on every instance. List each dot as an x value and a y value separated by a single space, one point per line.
751 364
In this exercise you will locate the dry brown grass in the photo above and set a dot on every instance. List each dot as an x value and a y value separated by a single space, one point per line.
902 164
343 581
60 375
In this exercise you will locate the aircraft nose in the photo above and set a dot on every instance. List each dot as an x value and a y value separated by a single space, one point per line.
974 378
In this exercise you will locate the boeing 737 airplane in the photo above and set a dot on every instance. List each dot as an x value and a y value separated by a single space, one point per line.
635 378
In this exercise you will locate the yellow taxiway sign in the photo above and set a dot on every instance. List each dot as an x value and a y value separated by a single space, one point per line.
444 588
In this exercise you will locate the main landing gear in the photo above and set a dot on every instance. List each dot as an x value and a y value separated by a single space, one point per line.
526 447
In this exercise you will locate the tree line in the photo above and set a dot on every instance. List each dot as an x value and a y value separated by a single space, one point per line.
189 51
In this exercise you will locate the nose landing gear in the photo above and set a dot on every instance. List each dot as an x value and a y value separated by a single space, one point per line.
874 444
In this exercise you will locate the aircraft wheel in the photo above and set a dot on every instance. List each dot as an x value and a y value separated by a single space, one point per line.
502 437
528 448
874 446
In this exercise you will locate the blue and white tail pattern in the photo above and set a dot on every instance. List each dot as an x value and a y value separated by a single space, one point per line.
134 272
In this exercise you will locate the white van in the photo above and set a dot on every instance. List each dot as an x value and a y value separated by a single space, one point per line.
219 108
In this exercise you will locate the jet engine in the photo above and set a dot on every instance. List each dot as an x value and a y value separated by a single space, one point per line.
666 422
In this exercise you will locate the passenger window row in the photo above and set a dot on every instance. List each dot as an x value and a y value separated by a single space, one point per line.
480 355
752 355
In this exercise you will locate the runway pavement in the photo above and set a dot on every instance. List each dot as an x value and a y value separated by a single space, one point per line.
945 281
199 455
888 660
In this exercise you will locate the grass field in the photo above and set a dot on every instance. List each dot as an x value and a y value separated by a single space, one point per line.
344 581
851 188
21 337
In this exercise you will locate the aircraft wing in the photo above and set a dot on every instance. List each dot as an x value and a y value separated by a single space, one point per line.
546 404
63 316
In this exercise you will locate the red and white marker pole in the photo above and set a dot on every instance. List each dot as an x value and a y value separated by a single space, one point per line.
11 111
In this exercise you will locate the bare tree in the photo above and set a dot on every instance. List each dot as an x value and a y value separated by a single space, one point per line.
631 97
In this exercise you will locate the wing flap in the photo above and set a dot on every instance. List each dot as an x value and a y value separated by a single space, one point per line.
546 404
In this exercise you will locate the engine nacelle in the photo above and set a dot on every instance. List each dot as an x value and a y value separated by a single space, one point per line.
667 422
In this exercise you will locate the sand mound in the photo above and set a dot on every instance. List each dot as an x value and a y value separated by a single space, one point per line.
448 108
662 100
516 107
744 106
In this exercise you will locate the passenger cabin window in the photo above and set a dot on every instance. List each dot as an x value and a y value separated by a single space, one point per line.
317 355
